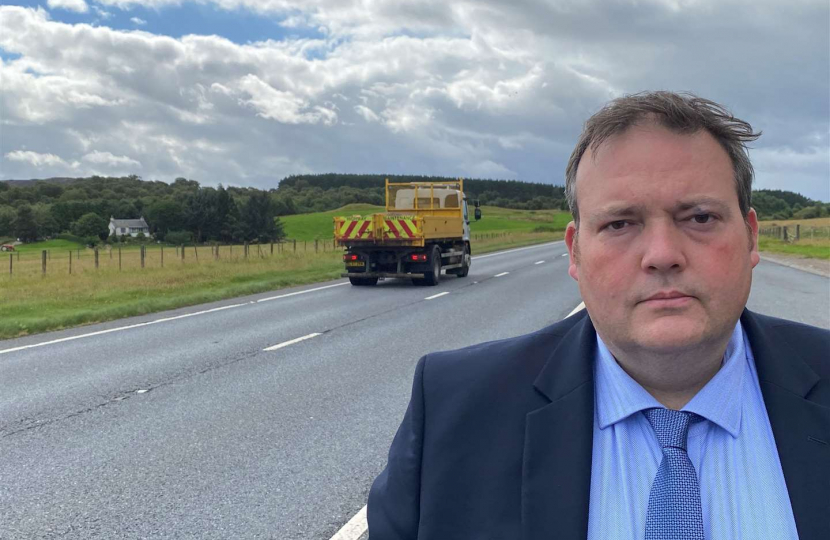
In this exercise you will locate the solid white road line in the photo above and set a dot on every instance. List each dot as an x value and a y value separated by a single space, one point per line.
165 319
434 296
354 529
539 262
502 274
537 246
120 328
301 292
564 254
577 308
358 525
291 342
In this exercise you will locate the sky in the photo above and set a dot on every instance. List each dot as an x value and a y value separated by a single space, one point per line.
247 92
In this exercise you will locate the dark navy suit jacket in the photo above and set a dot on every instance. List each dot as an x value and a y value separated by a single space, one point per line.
496 441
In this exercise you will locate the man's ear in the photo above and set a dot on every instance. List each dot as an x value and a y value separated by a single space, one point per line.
573 250
752 225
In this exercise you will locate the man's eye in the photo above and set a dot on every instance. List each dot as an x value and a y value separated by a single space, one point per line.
616 225
703 218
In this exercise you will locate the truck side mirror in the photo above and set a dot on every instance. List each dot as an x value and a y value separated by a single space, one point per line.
478 213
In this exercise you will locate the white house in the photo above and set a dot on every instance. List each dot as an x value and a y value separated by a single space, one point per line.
129 227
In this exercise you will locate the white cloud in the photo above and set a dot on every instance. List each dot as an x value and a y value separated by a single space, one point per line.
39 160
78 6
137 21
106 158
367 113
462 88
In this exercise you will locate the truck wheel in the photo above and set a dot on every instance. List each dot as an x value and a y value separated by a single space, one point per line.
433 277
363 281
465 260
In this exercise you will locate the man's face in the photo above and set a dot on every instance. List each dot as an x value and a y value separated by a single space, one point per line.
663 256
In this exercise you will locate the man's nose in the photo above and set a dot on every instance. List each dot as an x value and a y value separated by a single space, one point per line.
663 249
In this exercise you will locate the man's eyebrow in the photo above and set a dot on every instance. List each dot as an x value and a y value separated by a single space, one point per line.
616 210
624 210
705 203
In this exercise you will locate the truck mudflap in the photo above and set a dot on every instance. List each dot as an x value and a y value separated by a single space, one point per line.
381 275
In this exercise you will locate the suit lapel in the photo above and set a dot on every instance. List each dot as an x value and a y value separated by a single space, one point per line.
800 421
556 474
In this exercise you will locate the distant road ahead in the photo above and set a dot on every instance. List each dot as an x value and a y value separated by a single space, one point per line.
189 428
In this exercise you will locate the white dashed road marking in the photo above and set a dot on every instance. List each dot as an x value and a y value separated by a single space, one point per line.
539 262
292 342
502 274
434 296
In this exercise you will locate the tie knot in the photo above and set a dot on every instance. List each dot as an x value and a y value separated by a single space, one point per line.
670 426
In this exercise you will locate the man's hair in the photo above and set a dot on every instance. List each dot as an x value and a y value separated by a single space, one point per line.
681 113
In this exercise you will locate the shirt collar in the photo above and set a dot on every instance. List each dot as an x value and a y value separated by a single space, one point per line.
618 396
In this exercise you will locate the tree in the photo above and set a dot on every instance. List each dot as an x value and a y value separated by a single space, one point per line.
91 225
47 225
25 226
164 216
7 216
260 219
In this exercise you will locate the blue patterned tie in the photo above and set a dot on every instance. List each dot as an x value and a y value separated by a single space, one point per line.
674 511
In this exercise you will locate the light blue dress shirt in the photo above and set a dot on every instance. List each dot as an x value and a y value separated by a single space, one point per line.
742 488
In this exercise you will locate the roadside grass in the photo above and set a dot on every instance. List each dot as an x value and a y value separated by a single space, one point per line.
34 303
814 249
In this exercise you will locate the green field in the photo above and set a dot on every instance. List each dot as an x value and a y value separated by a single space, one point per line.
813 249
321 225
48 244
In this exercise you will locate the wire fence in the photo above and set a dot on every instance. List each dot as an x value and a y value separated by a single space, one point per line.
794 233
136 257
78 261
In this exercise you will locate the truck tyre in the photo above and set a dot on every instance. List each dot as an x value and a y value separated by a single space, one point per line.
465 260
433 277
363 281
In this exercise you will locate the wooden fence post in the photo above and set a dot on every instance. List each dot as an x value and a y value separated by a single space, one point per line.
295 246
798 232
272 248
11 263
182 250
315 245
70 262
785 235
196 251
142 256
245 249
162 256
119 258
96 258
43 260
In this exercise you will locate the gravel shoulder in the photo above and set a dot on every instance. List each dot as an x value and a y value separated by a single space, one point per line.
820 267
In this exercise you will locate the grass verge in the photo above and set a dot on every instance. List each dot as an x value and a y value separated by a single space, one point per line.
33 303
814 249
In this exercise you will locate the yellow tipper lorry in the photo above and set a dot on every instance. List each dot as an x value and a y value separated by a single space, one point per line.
424 231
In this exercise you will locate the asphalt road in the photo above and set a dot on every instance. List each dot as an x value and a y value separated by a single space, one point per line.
188 428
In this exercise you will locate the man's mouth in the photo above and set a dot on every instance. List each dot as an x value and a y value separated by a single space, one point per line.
668 299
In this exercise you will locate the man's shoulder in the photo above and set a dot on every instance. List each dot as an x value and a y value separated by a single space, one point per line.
810 342
520 357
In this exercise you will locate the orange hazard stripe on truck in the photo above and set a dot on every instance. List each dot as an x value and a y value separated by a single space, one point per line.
356 229
400 228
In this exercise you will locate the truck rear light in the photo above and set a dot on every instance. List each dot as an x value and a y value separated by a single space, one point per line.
350 257
418 257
